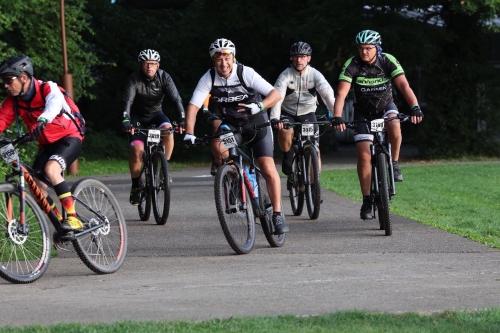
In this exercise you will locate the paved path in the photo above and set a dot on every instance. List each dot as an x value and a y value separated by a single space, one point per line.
185 270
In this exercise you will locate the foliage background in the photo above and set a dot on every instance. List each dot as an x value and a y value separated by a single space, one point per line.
457 84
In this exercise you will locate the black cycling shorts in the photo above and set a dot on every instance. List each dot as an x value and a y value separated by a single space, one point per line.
362 131
156 120
64 151
260 141
310 117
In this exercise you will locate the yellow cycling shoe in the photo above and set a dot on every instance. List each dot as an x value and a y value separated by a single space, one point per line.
72 224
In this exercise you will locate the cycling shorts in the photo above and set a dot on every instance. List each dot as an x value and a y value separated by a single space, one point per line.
156 120
64 151
310 117
260 141
362 131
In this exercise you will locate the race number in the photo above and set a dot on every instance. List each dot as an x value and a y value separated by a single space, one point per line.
228 140
9 153
307 129
153 136
377 125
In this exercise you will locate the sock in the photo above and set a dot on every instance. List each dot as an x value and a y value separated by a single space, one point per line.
136 182
54 208
367 198
64 194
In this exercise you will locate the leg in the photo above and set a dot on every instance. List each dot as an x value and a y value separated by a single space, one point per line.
285 137
394 137
364 175
168 142
135 164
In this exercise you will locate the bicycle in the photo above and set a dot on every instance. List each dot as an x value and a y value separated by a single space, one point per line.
25 244
233 186
154 177
304 182
382 180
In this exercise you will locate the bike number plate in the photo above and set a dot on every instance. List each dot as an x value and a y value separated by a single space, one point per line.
9 153
377 125
154 136
228 140
307 129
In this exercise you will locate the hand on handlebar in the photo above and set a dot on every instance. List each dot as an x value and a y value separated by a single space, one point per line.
127 126
189 139
338 123
252 108
416 114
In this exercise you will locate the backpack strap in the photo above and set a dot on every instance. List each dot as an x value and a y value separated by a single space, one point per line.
239 73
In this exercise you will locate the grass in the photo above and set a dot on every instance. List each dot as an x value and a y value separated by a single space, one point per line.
349 321
462 199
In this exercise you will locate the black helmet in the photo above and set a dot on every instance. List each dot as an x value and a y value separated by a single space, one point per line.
16 65
301 48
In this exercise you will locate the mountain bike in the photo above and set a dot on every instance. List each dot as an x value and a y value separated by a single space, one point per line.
25 243
304 182
383 187
155 177
237 180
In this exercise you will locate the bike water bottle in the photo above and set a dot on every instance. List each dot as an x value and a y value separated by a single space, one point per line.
255 187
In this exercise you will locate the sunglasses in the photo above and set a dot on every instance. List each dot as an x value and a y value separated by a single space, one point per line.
223 53
8 81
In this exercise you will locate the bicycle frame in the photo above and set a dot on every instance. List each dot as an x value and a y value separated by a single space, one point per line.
381 145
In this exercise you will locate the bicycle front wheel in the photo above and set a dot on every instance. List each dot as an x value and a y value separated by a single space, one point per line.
161 188
236 217
383 202
313 187
266 220
144 206
295 187
102 250
24 257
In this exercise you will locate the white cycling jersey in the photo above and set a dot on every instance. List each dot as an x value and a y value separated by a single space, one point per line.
252 79
298 92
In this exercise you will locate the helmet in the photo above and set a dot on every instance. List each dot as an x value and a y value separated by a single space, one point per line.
220 45
301 48
148 55
368 37
16 65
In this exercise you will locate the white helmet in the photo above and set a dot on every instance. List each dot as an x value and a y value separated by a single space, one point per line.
148 55
220 45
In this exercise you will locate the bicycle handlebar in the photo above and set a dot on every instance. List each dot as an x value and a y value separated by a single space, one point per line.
240 129
21 140
352 124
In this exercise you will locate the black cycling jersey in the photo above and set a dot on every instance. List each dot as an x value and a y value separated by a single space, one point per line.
144 97
372 82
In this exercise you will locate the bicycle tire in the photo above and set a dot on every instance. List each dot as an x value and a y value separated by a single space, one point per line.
266 220
144 206
313 186
238 224
383 202
102 250
23 259
160 191
295 187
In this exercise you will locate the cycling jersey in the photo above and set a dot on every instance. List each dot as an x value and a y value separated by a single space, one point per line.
372 82
298 92
228 93
144 97
33 105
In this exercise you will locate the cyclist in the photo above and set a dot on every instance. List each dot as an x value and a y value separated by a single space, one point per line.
47 116
142 107
371 73
298 85
232 98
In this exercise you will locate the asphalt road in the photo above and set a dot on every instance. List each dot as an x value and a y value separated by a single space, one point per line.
185 270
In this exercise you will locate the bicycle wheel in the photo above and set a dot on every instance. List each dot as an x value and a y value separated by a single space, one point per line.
144 206
266 220
295 187
237 223
23 258
160 191
383 202
102 250
313 186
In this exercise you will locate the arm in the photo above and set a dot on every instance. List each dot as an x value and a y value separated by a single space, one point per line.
128 96
402 84
338 107
191 112
280 86
171 91
324 89
7 115
54 102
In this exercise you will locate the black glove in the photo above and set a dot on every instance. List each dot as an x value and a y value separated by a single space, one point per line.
416 112
182 123
38 128
274 122
336 121
207 114
126 125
